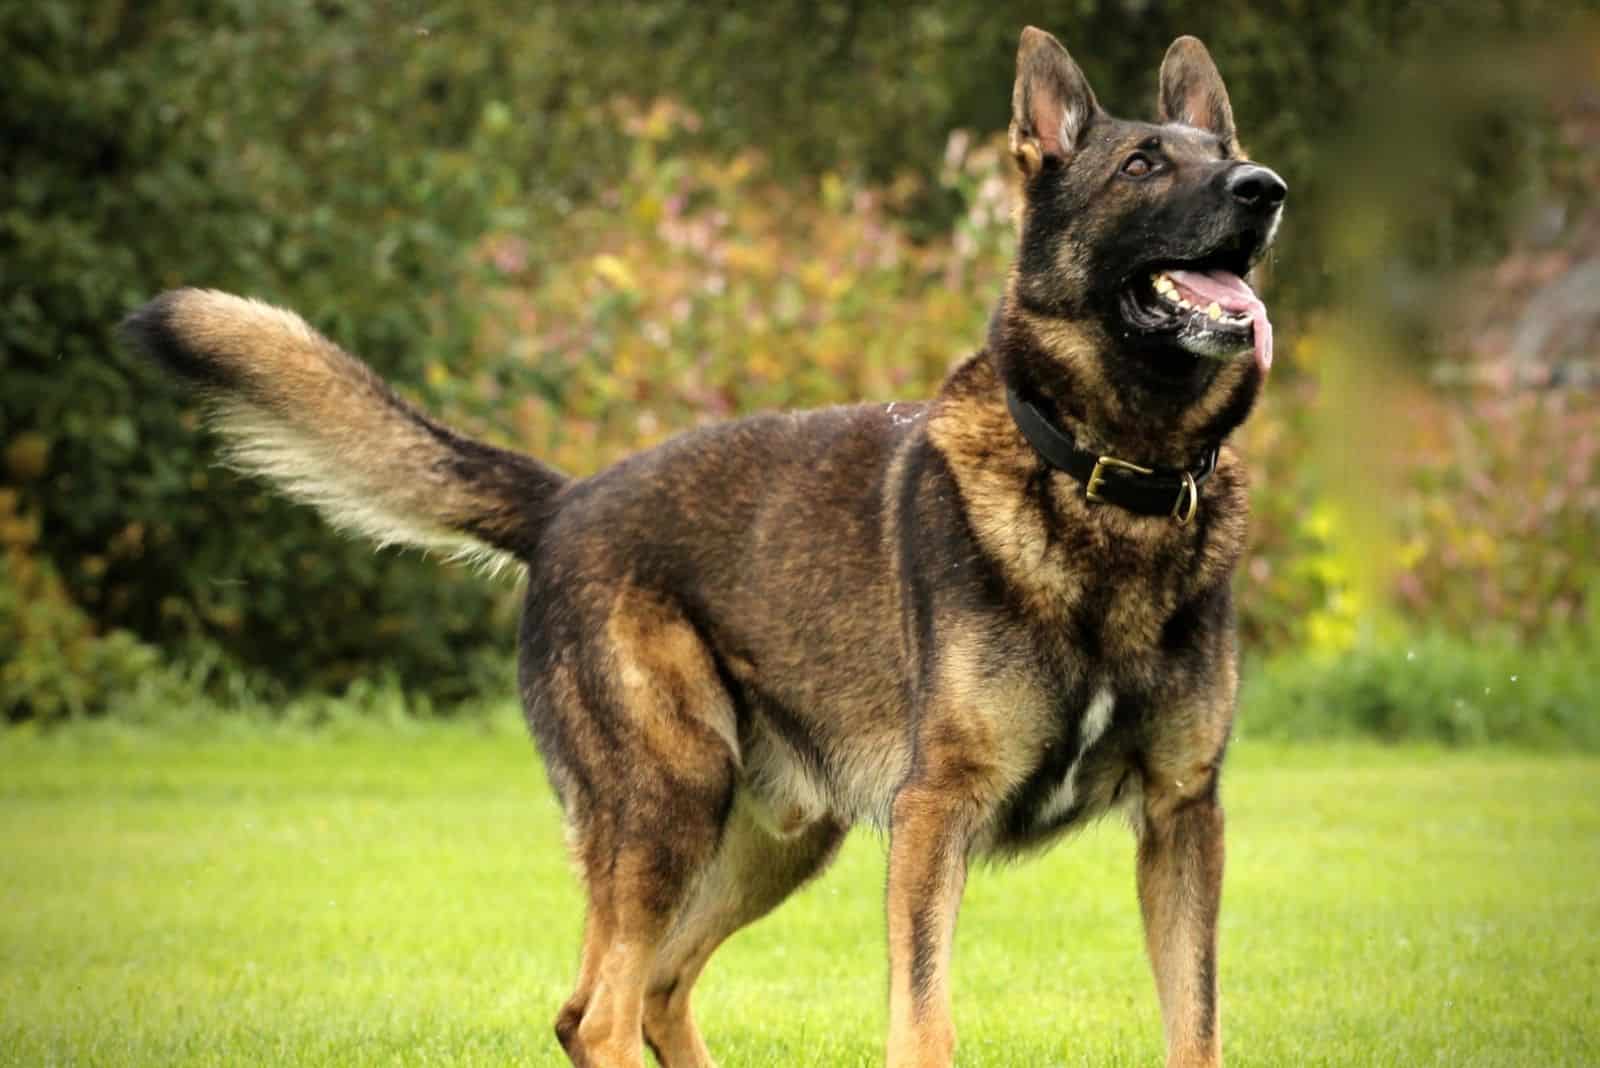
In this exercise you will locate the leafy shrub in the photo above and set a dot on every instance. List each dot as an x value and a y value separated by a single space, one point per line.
1434 687
144 148
485 201
54 663
712 289
1506 516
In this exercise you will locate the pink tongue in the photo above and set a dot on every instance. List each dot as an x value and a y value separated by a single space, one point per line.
1232 294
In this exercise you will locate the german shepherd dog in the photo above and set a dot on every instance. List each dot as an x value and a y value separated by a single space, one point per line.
977 622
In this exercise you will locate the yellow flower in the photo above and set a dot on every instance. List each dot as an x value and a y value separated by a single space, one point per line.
613 270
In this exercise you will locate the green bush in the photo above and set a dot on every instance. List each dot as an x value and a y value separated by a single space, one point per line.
53 662
1433 687
353 159
155 144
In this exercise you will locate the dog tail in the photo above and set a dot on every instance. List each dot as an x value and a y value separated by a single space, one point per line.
320 424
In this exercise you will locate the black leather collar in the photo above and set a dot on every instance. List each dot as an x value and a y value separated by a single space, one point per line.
1145 490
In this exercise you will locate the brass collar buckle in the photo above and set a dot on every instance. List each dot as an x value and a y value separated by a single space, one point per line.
1183 509
1097 477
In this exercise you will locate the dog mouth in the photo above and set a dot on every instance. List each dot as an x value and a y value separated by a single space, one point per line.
1205 308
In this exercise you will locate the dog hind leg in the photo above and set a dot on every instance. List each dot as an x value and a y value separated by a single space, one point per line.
639 876
649 728
597 936
754 870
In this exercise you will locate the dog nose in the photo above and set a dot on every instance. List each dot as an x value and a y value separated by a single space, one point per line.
1256 187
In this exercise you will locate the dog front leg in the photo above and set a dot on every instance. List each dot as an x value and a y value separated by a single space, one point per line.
930 831
1180 891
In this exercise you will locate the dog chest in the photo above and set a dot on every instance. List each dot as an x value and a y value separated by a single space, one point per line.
1070 782
1061 798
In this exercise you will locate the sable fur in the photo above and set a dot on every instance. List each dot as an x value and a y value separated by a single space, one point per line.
739 643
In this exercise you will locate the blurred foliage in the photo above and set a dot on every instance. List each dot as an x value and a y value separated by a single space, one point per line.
274 149
706 288
1506 517
1434 686
579 229
53 661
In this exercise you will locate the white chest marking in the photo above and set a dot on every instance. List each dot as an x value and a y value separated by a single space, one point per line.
1096 718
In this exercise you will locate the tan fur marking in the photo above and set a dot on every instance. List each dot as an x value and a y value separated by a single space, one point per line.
751 873
927 873
1180 884
989 729
664 675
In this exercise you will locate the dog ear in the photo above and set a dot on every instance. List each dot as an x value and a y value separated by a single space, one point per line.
1192 91
1051 104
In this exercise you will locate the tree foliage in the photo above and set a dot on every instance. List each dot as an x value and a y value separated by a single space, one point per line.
374 165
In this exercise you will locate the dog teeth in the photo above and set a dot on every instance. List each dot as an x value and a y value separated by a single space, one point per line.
1166 288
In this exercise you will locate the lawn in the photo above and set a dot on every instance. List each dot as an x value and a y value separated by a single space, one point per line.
399 895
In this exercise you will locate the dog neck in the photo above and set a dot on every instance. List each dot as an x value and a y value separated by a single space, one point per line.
1029 507
1106 402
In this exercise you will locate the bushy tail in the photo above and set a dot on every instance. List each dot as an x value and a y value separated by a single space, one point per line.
295 408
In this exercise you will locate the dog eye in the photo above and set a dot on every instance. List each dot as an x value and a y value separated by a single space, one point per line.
1137 165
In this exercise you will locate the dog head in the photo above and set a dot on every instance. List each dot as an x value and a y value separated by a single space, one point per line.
1137 236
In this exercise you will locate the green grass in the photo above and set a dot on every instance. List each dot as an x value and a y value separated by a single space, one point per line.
400 895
